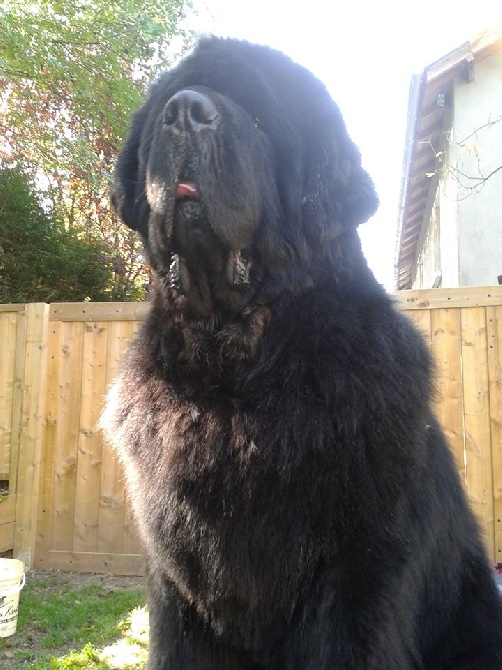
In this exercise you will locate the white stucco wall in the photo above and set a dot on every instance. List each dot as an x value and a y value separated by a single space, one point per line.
449 233
477 154
428 266
438 256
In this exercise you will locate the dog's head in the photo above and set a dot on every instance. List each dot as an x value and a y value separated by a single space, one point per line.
237 167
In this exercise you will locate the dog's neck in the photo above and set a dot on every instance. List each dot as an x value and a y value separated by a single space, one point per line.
212 345
227 343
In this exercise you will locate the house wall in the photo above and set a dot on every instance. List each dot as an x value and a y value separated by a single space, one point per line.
476 151
437 262
449 234
428 266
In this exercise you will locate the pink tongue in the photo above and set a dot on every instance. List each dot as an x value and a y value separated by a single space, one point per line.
186 188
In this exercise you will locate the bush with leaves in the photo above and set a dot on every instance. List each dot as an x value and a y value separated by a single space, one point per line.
41 261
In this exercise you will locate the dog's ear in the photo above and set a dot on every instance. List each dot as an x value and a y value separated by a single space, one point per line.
337 192
128 182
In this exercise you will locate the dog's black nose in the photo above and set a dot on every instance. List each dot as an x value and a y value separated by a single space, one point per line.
190 110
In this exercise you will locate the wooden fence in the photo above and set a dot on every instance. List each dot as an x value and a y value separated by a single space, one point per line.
63 504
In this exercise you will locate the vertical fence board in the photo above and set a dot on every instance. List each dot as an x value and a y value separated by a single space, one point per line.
90 449
68 349
32 417
111 505
447 351
8 332
49 450
112 501
17 400
478 464
422 320
494 337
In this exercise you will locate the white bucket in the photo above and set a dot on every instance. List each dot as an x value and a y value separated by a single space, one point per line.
11 582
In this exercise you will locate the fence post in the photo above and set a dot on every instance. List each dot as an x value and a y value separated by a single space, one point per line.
33 390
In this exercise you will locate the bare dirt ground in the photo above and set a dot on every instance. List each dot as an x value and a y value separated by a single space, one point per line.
53 582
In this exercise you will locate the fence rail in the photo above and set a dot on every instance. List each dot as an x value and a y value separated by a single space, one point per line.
62 500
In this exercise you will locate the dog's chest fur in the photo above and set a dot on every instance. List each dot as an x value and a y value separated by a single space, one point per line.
229 510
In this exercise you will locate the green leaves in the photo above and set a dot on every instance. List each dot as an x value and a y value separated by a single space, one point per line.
86 63
41 261
71 74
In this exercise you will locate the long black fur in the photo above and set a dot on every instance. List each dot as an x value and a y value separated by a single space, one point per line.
299 506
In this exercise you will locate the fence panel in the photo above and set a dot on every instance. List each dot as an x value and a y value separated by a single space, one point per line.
466 340
55 364
85 521
22 400
11 351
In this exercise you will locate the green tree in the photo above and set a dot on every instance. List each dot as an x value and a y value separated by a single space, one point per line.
40 260
70 76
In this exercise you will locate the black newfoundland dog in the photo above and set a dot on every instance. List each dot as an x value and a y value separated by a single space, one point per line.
298 503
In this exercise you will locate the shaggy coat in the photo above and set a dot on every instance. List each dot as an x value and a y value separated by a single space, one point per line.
299 506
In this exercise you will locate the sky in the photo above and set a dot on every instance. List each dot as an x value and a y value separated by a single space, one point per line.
366 53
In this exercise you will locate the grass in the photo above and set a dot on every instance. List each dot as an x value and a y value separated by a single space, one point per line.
63 628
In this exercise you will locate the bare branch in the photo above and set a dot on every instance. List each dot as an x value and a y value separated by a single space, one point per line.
488 124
